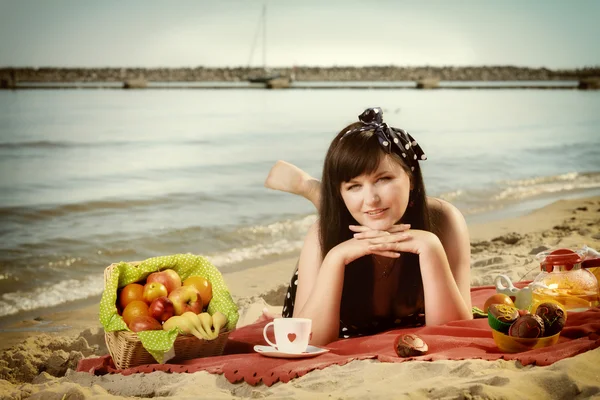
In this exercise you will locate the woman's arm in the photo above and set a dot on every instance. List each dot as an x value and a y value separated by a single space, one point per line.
454 236
319 291
444 261
320 282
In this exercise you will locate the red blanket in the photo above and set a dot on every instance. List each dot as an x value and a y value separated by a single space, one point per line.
454 341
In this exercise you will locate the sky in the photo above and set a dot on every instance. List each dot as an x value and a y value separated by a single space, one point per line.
220 33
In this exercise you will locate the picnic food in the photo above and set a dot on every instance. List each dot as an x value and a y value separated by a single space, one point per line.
501 316
528 326
186 298
154 290
203 286
161 309
151 304
410 345
516 330
144 323
196 321
219 320
182 324
553 317
498 298
129 348
134 309
168 277
131 292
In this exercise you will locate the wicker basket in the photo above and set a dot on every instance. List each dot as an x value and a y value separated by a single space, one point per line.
127 350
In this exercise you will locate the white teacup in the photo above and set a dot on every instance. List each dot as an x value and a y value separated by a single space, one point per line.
291 334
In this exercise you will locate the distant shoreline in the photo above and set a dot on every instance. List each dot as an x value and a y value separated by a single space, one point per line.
298 74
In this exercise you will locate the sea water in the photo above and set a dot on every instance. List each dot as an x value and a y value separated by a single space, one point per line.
92 177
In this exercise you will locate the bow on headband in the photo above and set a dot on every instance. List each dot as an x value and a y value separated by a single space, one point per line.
391 139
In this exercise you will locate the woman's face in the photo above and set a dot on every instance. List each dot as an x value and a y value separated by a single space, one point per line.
380 199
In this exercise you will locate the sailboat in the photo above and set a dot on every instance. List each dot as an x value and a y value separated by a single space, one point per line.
266 75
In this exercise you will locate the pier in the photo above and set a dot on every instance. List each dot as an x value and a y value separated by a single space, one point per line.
453 85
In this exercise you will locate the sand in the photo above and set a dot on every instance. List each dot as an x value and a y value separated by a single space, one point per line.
39 356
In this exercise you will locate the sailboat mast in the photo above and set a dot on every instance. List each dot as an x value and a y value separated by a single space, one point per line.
264 49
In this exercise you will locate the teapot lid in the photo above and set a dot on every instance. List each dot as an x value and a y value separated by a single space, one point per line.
561 257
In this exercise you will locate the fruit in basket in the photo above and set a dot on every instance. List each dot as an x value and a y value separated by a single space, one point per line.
168 277
186 298
154 290
134 309
183 325
144 323
219 320
161 309
206 323
498 298
196 321
203 286
131 292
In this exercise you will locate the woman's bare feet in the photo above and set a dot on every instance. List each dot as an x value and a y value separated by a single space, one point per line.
288 178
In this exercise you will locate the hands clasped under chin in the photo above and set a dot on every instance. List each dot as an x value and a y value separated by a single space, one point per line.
398 238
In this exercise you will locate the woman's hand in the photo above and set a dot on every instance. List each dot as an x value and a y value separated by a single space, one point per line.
362 243
399 238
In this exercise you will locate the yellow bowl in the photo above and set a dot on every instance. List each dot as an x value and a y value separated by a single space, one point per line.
511 344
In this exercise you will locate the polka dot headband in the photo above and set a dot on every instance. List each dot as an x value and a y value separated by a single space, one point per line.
391 139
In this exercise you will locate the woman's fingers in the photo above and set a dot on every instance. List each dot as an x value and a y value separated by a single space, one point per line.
387 247
399 228
371 234
392 238
363 232
359 228
389 254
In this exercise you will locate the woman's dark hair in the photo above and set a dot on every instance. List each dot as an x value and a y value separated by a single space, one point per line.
348 157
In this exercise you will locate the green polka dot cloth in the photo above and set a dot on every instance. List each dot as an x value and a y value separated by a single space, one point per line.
186 265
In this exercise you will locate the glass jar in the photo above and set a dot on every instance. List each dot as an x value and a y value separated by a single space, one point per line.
563 279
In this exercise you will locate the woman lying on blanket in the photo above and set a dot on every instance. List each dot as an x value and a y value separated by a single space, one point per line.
382 253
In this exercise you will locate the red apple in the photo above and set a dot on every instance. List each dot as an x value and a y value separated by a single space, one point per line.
144 323
186 298
168 277
162 309
131 292
154 290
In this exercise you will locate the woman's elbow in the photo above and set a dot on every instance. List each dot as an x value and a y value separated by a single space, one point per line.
323 338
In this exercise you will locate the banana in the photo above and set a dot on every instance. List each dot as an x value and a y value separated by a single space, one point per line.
206 322
219 320
196 322
183 325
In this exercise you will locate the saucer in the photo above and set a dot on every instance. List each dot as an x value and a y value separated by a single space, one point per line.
268 351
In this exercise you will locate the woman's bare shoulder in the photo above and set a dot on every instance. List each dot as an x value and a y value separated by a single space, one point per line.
445 217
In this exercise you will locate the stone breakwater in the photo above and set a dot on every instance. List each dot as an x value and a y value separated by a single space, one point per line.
341 74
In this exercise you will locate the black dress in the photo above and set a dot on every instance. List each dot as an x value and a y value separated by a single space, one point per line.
375 325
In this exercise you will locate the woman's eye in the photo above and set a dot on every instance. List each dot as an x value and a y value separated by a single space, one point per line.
352 187
384 178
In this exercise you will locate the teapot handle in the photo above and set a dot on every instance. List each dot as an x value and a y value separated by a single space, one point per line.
504 284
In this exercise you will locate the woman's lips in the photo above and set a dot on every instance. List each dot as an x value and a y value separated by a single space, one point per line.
376 213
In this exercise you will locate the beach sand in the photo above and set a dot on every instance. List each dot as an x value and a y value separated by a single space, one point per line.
55 341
